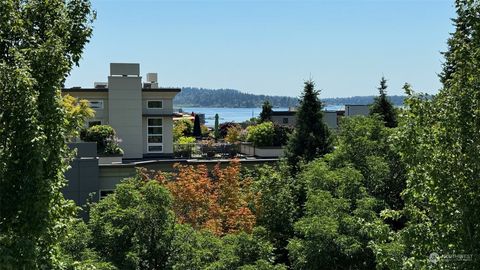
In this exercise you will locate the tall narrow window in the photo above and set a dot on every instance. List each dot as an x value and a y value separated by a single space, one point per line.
154 135
154 104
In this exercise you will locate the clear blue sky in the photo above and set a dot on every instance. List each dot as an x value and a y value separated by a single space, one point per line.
271 47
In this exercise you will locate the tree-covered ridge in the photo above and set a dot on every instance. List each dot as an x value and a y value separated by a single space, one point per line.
202 97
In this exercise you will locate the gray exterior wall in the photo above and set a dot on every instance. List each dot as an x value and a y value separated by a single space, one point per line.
330 118
125 113
351 110
83 176
278 119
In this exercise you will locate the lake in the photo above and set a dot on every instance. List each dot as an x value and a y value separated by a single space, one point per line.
234 114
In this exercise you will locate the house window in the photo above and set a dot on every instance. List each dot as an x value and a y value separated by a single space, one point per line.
154 104
96 104
154 135
104 193
285 120
92 123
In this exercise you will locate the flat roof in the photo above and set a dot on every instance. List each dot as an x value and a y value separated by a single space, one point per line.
146 161
283 113
103 90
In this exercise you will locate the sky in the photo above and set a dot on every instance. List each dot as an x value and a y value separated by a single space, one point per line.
272 46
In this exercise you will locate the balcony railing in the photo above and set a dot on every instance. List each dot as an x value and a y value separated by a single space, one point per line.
206 151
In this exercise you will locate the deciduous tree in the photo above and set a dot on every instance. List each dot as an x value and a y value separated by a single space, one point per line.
40 41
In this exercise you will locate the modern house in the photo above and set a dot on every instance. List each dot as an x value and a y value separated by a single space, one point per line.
140 113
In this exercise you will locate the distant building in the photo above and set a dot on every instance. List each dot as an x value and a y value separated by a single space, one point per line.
284 117
330 118
141 114
351 110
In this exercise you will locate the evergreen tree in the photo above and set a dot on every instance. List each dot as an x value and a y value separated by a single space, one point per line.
40 42
197 131
216 132
311 138
266 114
383 107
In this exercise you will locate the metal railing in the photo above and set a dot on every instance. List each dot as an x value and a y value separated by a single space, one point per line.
206 151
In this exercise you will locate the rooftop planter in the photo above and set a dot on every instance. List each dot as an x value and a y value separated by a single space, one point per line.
266 140
108 149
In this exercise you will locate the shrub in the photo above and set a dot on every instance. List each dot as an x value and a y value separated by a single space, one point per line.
261 134
233 134
223 129
182 127
106 139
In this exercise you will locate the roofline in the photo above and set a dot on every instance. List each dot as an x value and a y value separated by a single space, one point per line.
177 90
158 114
105 90
89 90
286 113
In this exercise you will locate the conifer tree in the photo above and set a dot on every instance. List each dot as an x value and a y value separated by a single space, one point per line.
311 138
197 131
216 132
266 114
383 107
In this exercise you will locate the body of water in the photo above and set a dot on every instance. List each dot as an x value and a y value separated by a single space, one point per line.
234 114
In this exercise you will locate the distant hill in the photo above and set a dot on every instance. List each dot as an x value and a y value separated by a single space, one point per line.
200 97
230 98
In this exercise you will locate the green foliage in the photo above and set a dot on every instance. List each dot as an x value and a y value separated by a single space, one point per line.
197 131
366 144
439 142
266 114
134 227
261 134
311 138
77 112
233 134
40 41
383 107
106 139
276 208
245 251
224 127
76 251
282 134
186 140
182 127
339 222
